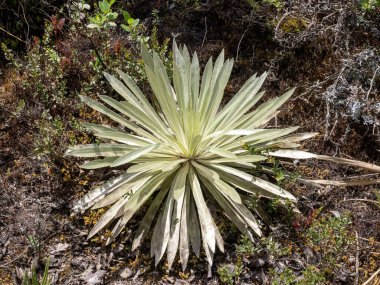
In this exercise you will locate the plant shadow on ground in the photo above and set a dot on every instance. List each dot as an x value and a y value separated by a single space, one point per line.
322 245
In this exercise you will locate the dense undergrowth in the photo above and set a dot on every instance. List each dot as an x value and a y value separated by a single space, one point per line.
329 51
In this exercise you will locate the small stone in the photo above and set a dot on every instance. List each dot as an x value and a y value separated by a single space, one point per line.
180 282
258 262
126 273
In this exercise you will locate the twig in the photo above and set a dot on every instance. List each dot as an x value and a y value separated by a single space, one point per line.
311 88
361 200
85 35
238 47
283 17
204 37
12 35
370 87
93 46
372 277
357 259
362 238
14 259
17 257
5 249
26 21
327 122
7 111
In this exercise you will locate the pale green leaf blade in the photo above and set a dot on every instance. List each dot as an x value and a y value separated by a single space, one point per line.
120 88
243 158
134 154
127 189
228 209
145 224
137 200
100 192
292 153
161 231
194 229
228 191
230 172
175 223
204 171
124 138
222 152
351 162
184 231
205 219
180 182
94 150
107 217
99 163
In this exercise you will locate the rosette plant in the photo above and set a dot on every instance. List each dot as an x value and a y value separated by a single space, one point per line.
186 153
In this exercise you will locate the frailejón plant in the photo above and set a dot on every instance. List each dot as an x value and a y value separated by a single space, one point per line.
184 154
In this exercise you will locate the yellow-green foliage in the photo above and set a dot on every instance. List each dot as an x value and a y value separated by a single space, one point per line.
311 275
278 4
230 274
330 236
293 25
368 5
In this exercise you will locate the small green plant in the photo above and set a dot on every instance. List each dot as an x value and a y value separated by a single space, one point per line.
104 17
274 248
377 195
255 4
229 274
278 4
50 132
279 173
34 242
370 5
330 235
10 56
19 108
77 10
310 276
226 275
33 278
246 247
293 25
131 23
284 277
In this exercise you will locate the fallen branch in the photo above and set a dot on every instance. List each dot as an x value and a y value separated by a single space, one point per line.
372 277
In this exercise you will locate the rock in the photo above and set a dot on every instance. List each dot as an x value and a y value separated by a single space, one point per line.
93 278
59 248
258 262
180 282
118 248
126 273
